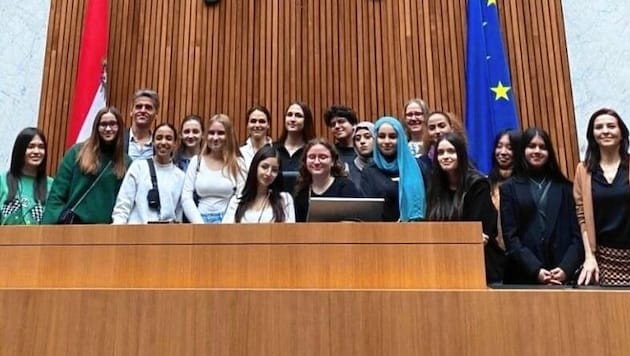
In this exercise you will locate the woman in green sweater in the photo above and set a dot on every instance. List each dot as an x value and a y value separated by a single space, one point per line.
90 175
23 189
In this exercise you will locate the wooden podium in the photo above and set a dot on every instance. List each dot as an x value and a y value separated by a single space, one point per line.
300 289
342 255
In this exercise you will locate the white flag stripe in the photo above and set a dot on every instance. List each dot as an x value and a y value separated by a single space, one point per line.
97 104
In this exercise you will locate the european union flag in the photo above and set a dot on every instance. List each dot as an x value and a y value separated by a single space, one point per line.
489 94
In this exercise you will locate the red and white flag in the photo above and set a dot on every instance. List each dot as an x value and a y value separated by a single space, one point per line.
89 90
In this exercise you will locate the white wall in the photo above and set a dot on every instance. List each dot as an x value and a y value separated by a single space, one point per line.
22 46
598 41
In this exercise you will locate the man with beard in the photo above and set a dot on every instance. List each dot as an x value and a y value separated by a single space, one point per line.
138 143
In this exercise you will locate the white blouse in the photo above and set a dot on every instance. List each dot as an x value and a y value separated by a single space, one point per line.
260 216
215 189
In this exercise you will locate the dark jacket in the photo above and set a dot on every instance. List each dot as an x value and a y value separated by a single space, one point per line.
376 183
560 244
478 206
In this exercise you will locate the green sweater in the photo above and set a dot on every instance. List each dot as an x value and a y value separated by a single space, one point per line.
71 183
23 209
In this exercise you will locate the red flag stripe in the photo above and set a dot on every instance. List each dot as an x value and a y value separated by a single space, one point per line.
92 53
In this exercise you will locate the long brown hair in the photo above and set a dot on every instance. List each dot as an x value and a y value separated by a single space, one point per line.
250 190
593 154
89 155
337 169
231 153
308 132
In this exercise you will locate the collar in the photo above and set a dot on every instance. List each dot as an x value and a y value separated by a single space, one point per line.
132 138
249 143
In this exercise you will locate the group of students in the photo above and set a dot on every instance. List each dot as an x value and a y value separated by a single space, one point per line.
537 226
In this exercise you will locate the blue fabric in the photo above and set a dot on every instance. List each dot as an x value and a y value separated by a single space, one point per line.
489 94
411 191
212 218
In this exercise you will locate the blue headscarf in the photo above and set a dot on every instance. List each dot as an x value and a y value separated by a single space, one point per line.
411 193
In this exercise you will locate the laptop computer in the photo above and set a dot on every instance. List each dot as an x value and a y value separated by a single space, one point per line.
345 209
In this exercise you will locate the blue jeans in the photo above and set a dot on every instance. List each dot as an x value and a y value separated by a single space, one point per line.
212 218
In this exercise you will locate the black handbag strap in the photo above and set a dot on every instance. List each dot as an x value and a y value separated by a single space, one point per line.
196 196
154 182
91 186
152 172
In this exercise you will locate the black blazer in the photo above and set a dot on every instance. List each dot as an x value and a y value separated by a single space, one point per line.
560 244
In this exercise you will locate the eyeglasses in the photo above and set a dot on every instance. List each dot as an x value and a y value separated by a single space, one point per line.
414 113
106 124
296 114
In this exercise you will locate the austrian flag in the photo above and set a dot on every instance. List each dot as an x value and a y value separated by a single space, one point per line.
89 90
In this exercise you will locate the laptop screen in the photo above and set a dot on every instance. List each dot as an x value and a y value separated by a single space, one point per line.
345 209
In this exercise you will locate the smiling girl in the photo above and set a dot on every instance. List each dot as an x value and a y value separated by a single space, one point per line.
24 188
132 205
191 140
538 217
90 174
322 174
602 196
216 174
263 200
458 192
416 111
258 126
395 174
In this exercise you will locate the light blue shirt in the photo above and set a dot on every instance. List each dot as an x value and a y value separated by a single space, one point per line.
138 150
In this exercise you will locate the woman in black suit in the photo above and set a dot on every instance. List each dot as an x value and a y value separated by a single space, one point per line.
538 217
459 192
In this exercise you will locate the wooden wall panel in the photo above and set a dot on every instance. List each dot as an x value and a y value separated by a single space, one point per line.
371 55
313 322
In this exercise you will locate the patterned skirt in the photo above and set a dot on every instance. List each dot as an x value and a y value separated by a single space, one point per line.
614 267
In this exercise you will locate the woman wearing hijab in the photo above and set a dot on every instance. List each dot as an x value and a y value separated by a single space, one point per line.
395 174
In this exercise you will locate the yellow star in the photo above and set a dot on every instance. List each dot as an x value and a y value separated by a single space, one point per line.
492 2
500 91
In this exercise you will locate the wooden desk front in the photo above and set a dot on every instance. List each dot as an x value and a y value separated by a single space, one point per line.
313 322
342 255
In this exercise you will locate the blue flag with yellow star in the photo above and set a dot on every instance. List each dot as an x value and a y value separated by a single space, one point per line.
489 96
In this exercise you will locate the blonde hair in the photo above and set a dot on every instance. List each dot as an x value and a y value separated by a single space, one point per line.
425 111
231 152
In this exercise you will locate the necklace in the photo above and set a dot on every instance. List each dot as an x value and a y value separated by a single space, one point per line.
540 184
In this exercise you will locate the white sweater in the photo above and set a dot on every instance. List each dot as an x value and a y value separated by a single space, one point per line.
215 189
132 206
260 216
